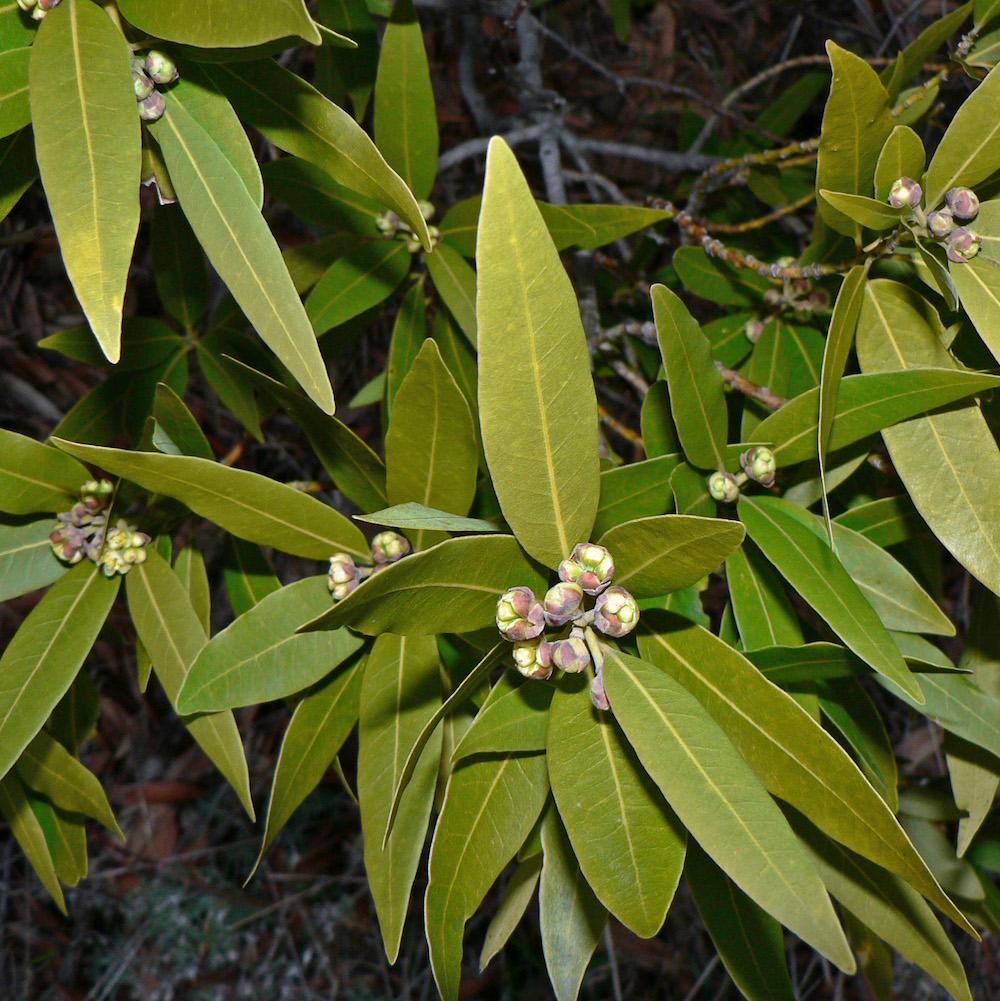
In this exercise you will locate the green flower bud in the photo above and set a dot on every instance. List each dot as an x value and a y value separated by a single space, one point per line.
963 202
426 209
152 107
160 67
759 464
570 655
753 329
590 566
520 615
904 193
533 658
26 5
387 547
940 223
343 576
120 535
616 612
112 562
723 487
562 603
142 85
387 222
598 697
67 543
772 298
962 245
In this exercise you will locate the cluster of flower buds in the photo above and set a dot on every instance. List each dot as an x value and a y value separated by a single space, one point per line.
148 72
759 464
961 244
79 531
124 547
37 8
796 295
391 226
345 575
522 618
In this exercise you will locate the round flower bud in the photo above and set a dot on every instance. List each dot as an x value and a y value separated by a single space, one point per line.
119 536
598 697
152 107
759 464
590 566
819 299
963 245
343 577
533 658
520 615
616 612
904 193
723 487
772 298
111 562
160 67
387 547
26 5
67 544
426 209
940 223
387 222
570 655
142 85
963 202
753 329
562 603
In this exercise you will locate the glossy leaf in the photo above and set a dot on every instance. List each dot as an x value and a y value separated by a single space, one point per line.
911 59
248 576
636 490
400 692
662 554
145 343
24 825
260 657
39 663
517 895
416 516
720 800
803 664
88 147
696 388
455 282
230 227
254 507
902 156
179 267
629 843
36 477
659 437
762 609
66 837
517 721
409 331
26 558
612 222
190 569
352 71
976 282
537 405
15 109
886 522
863 210
18 168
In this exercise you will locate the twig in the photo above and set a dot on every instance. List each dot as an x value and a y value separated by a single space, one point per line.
27 236
609 944
619 429
636 381
477 147
675 163
743 385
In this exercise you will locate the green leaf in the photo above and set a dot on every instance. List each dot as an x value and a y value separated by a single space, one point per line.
254 507
401 691
629 843
898 329
638 490
856 123
222 23
352 73
659 437
15 29
45 654
363 277
571 916
690 490
886 522
190 569
696 388
18 168
260 657
405 119
416 516
517 721
240 246
248 576
790 753
89 154
477 834
517 895
537 405
48 768
657 555
813 570
26 558
720 800
612 222
145 343
785 665
298 119
15 108
902 156
177 422
976 282
28 832
911 60
318 727
66 837
172 635
409 331
36 477
967 152
179 267
865 211
763 612
712 279
749 940
455 282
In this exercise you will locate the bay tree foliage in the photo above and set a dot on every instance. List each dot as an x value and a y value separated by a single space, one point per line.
586 673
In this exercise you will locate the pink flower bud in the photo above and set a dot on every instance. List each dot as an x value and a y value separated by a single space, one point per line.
963 245
963 202
533 658
590 566
904 193
616 612
562 603
571 655
520 615
598 696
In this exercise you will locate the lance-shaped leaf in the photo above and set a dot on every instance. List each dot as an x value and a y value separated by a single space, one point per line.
405 120
36 477
240 246
812 568
572 918
300 120
517 721
15 108
455 282
179 267
721 801
898 329
489 808
260 657
222 23
763 613
48 768
749 940
24 825
716 280
865 211
856 123
416 516
636 490
794 757
89 154
400 692
254 507
40 662
451 588
977 283
886 521
26 558
248 576
66 836
18 168
430 447
696 388
665 553
537 405
318 727
967 153
629 843
902 156
517 895
797 664
911 60
172 635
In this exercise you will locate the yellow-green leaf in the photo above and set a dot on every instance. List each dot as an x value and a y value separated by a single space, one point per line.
24 825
